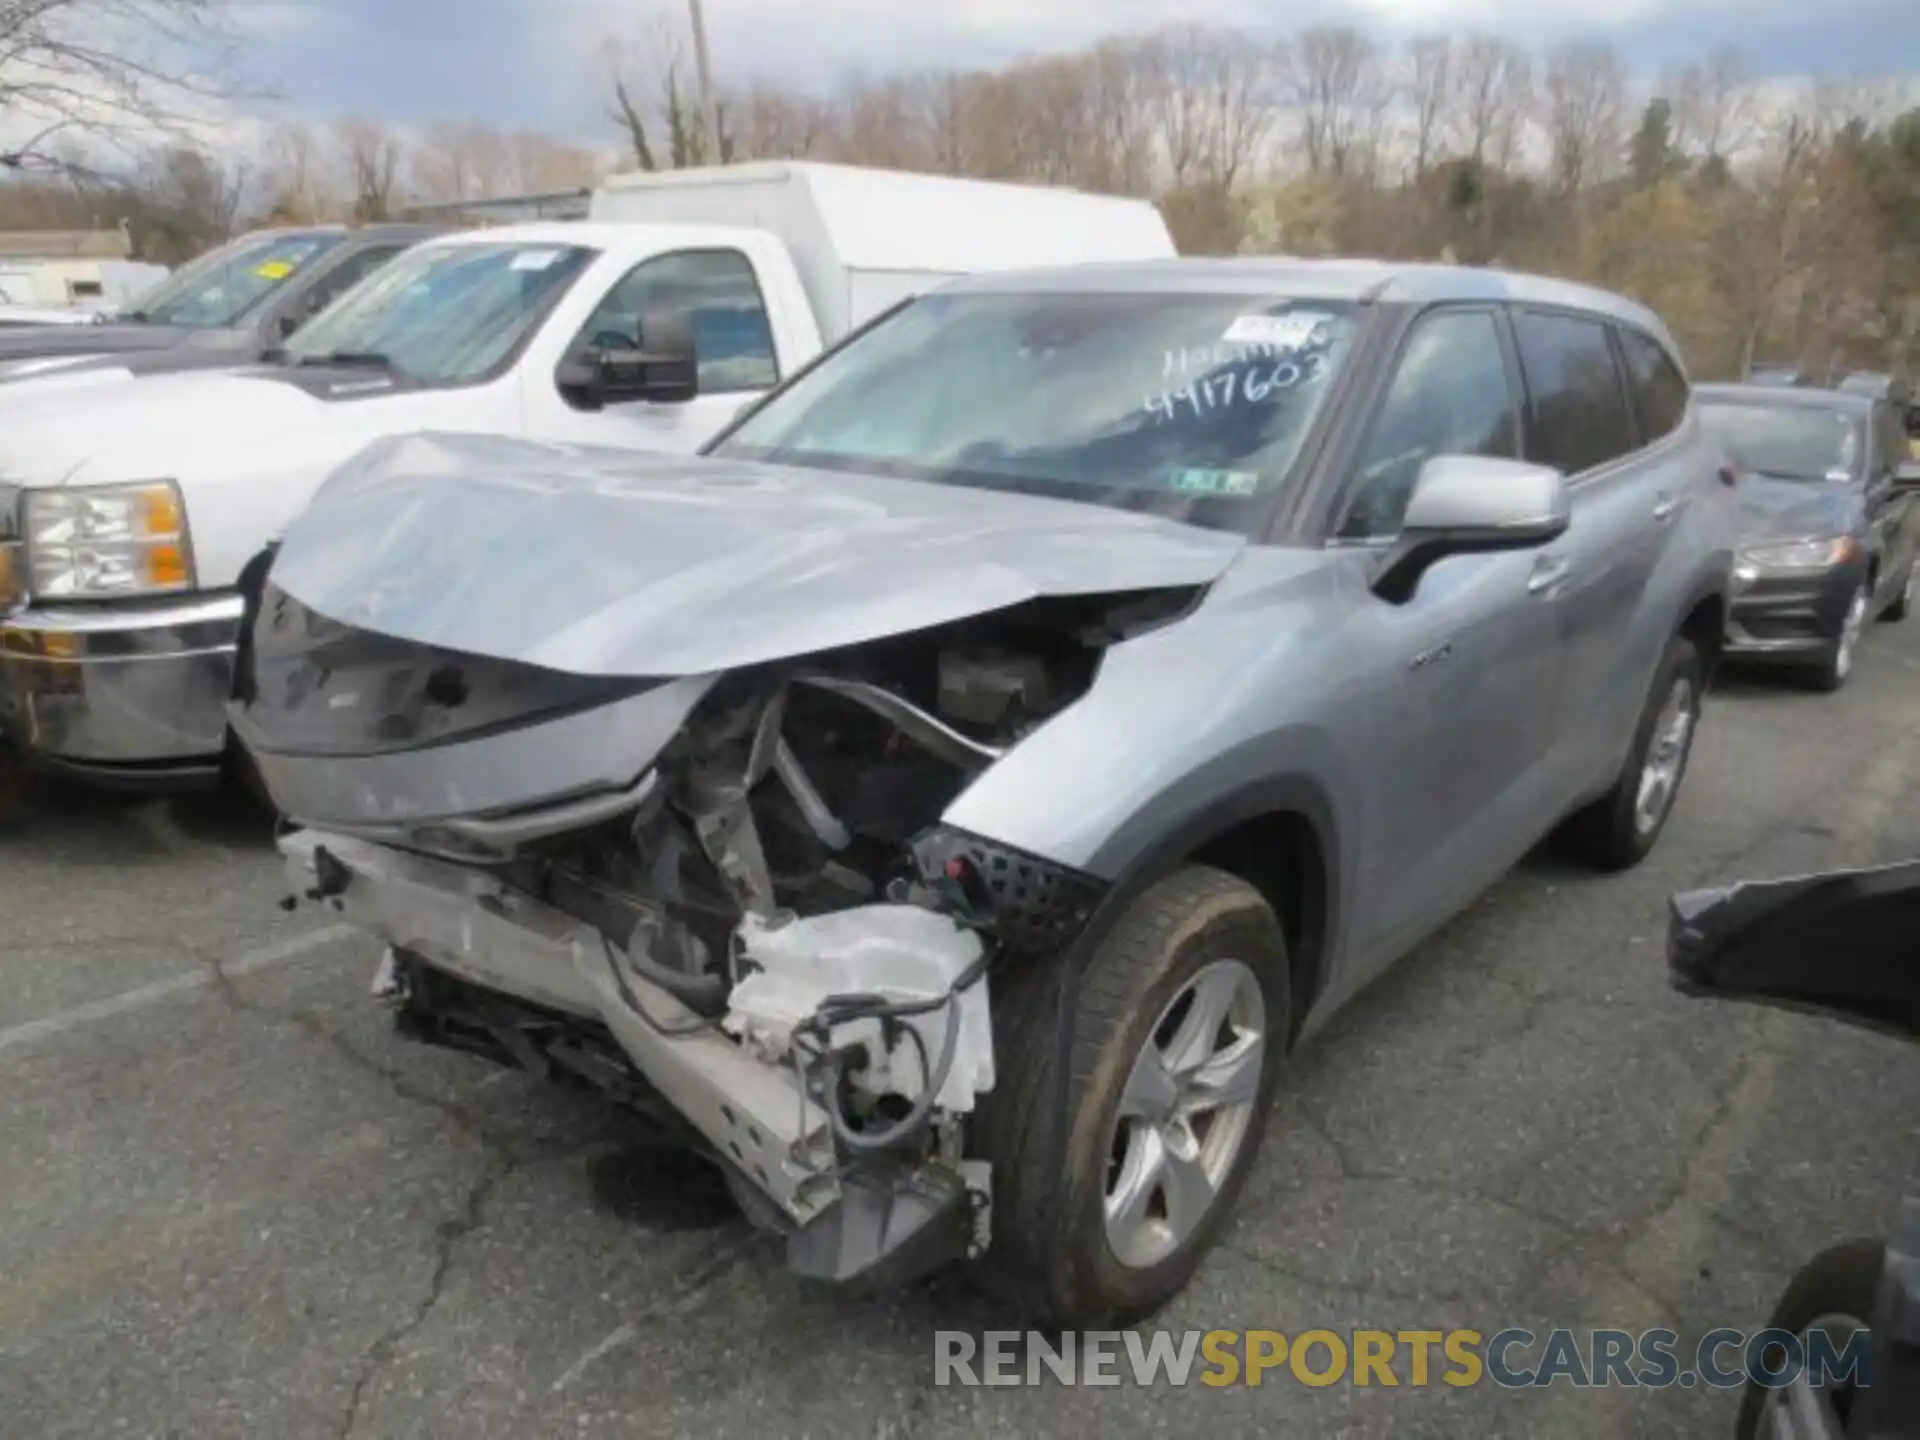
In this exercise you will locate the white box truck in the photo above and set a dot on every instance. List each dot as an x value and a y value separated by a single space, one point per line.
127 510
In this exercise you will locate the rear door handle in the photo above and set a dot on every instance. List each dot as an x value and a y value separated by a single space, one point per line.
1548 571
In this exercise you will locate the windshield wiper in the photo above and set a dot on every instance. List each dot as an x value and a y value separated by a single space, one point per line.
363 359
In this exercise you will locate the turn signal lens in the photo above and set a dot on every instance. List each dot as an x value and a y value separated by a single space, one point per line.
167 567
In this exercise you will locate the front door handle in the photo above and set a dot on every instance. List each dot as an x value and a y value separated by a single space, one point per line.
1667 508
1548 572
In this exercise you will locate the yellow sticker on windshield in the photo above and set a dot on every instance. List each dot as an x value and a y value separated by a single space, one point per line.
274 270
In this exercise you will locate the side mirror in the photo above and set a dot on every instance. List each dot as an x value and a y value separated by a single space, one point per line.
1846 942
661 367
1468 504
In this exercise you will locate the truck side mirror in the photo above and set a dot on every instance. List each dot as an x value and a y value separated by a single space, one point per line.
660 367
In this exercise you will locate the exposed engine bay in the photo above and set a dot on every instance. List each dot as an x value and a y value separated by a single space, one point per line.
765 937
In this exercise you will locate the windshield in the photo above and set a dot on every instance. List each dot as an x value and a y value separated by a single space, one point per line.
1193 406
1797 442
220 287
442 313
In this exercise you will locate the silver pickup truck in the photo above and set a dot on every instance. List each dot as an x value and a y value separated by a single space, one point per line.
948 800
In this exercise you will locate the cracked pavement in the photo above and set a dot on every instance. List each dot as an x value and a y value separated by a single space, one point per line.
237 1204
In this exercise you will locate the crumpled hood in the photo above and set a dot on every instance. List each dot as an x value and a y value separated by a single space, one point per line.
601 562
1773 509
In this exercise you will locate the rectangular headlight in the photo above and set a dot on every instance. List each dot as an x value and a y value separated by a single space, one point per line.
1802 554
91 542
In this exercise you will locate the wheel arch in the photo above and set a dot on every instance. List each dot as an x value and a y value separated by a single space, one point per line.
1705 624
1279 835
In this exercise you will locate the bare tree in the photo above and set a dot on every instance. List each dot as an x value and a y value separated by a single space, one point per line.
183 201
1494 88
1585 108
1713 106
772 123
1174 64
293 176
655 98
114 71
371 153
1331 78
1430 87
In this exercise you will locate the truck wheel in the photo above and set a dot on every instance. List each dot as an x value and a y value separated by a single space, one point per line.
1617 831
1834 668
1836 1291
1178 1038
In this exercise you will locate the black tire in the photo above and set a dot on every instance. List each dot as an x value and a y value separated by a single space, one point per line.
243 777
1842 1281
1837 662
1608 834
1050 1257
1903 602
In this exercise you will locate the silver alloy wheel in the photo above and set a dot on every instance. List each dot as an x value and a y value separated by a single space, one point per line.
1184 1113
1850 629
1666 754
1803 1410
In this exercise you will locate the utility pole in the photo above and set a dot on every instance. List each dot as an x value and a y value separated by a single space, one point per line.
709 107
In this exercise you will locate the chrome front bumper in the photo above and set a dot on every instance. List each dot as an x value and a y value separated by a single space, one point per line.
134 692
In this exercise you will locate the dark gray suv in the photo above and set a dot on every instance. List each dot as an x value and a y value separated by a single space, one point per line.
1828 530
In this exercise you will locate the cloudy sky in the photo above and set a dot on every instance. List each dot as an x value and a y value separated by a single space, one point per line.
533 62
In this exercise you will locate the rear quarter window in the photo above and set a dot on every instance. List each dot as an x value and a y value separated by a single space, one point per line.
1577 407
1659 389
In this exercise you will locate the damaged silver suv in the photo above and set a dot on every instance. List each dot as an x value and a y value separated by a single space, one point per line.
947 801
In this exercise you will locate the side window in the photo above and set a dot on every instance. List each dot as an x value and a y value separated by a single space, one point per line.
344 276
717 292
1892 437
1580 416
1449 396
1659 390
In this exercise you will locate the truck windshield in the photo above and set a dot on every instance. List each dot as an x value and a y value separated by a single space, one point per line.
1787 442
1193 406
220 287
443 314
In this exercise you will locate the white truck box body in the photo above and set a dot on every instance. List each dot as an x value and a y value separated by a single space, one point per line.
863 240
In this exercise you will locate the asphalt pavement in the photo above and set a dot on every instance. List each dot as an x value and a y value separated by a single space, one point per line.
234 1203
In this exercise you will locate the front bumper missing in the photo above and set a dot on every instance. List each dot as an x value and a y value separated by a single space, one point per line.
879 1220
460 920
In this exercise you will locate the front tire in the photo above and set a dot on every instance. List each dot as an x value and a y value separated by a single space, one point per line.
1617 831
1837 665
1179 1032
1837 1291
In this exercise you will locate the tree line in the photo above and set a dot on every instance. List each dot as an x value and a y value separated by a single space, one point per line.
1764 222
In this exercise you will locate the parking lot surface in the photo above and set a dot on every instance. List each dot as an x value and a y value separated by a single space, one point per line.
234 1203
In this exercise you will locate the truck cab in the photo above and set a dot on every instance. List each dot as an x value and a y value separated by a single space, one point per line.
128 512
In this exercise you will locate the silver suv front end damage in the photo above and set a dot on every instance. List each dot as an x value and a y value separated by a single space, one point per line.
743 1084
686 841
